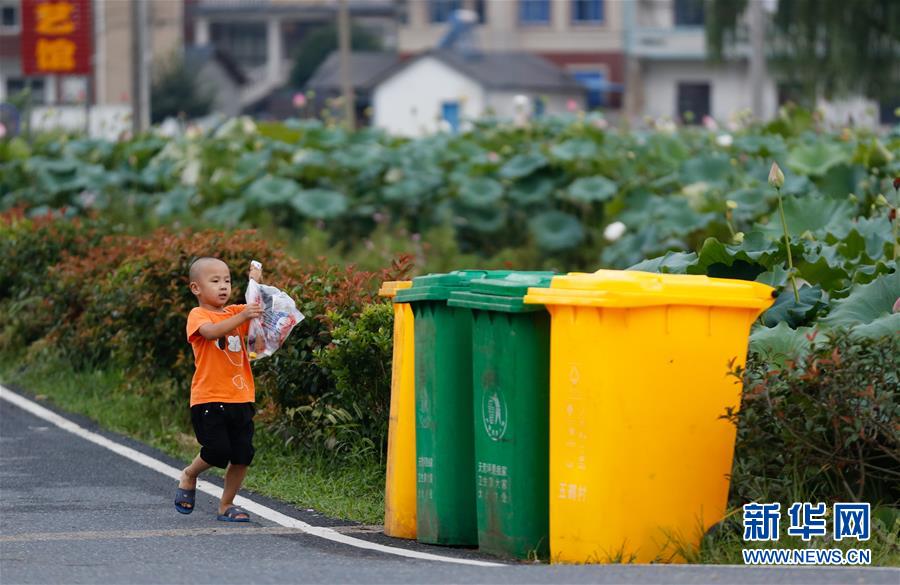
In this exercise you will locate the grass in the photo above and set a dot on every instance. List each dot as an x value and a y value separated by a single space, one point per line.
147 411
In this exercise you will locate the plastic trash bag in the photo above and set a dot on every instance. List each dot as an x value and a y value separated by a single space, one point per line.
279 318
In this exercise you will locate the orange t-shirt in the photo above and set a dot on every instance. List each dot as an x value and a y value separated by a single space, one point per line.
222 366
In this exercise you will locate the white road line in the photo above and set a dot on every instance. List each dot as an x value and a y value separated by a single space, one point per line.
215 491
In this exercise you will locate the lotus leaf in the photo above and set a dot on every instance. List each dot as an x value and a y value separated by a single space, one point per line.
320 203
359 157
768 146
575 149
175 202
810 214
745 261
413 190
713 169
480 192
670 263
866 302
591 190
824 265
304 158
556 231
840 180
869 236
781 344
486 220
250 166
522 165
532 190
884 326
228 214
751 203
815 159
786 308
270 190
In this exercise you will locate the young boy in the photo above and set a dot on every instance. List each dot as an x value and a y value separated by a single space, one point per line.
222 390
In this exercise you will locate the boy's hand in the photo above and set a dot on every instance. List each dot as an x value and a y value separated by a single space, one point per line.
256 271
251 311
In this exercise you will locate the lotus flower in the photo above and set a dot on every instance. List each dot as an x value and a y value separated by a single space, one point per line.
614 231
299 100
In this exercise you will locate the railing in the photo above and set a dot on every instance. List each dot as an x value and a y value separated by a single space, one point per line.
681 42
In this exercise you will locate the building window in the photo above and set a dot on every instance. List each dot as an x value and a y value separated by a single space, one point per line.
9 17
450 114
16 85
403 11
245 41
594 82
534 11
442 10
689 13
693 102
587 11
480 11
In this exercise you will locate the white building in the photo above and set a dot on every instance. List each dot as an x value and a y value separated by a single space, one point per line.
443 89
668 72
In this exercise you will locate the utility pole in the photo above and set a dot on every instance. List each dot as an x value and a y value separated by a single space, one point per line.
140 86
757 56
346 76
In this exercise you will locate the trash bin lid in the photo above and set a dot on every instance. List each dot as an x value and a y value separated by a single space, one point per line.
389 288
437 287
627 288
501 294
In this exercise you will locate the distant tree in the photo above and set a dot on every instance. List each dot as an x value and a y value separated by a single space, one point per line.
825 47
320 42
175 92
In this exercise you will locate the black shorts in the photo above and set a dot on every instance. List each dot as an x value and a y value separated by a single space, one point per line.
225 432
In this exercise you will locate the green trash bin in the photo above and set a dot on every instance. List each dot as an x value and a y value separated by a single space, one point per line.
445 478
511 378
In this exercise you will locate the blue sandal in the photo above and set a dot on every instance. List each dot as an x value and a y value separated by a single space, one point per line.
232 513
182 497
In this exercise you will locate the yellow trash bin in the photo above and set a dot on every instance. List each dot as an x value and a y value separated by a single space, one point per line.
640 457
400 484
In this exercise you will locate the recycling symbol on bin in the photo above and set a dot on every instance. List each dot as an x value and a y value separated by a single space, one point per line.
494 414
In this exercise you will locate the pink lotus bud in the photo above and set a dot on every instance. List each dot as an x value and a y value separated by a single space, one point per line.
3 133
299 100
572 105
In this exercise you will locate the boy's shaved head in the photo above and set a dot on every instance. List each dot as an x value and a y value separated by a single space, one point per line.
199 266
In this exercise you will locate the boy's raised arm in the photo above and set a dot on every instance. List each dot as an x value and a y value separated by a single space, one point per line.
217 330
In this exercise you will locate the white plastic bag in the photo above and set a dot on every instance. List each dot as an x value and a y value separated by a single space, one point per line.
279 318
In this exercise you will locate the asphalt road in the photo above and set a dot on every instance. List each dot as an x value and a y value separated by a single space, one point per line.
72 511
